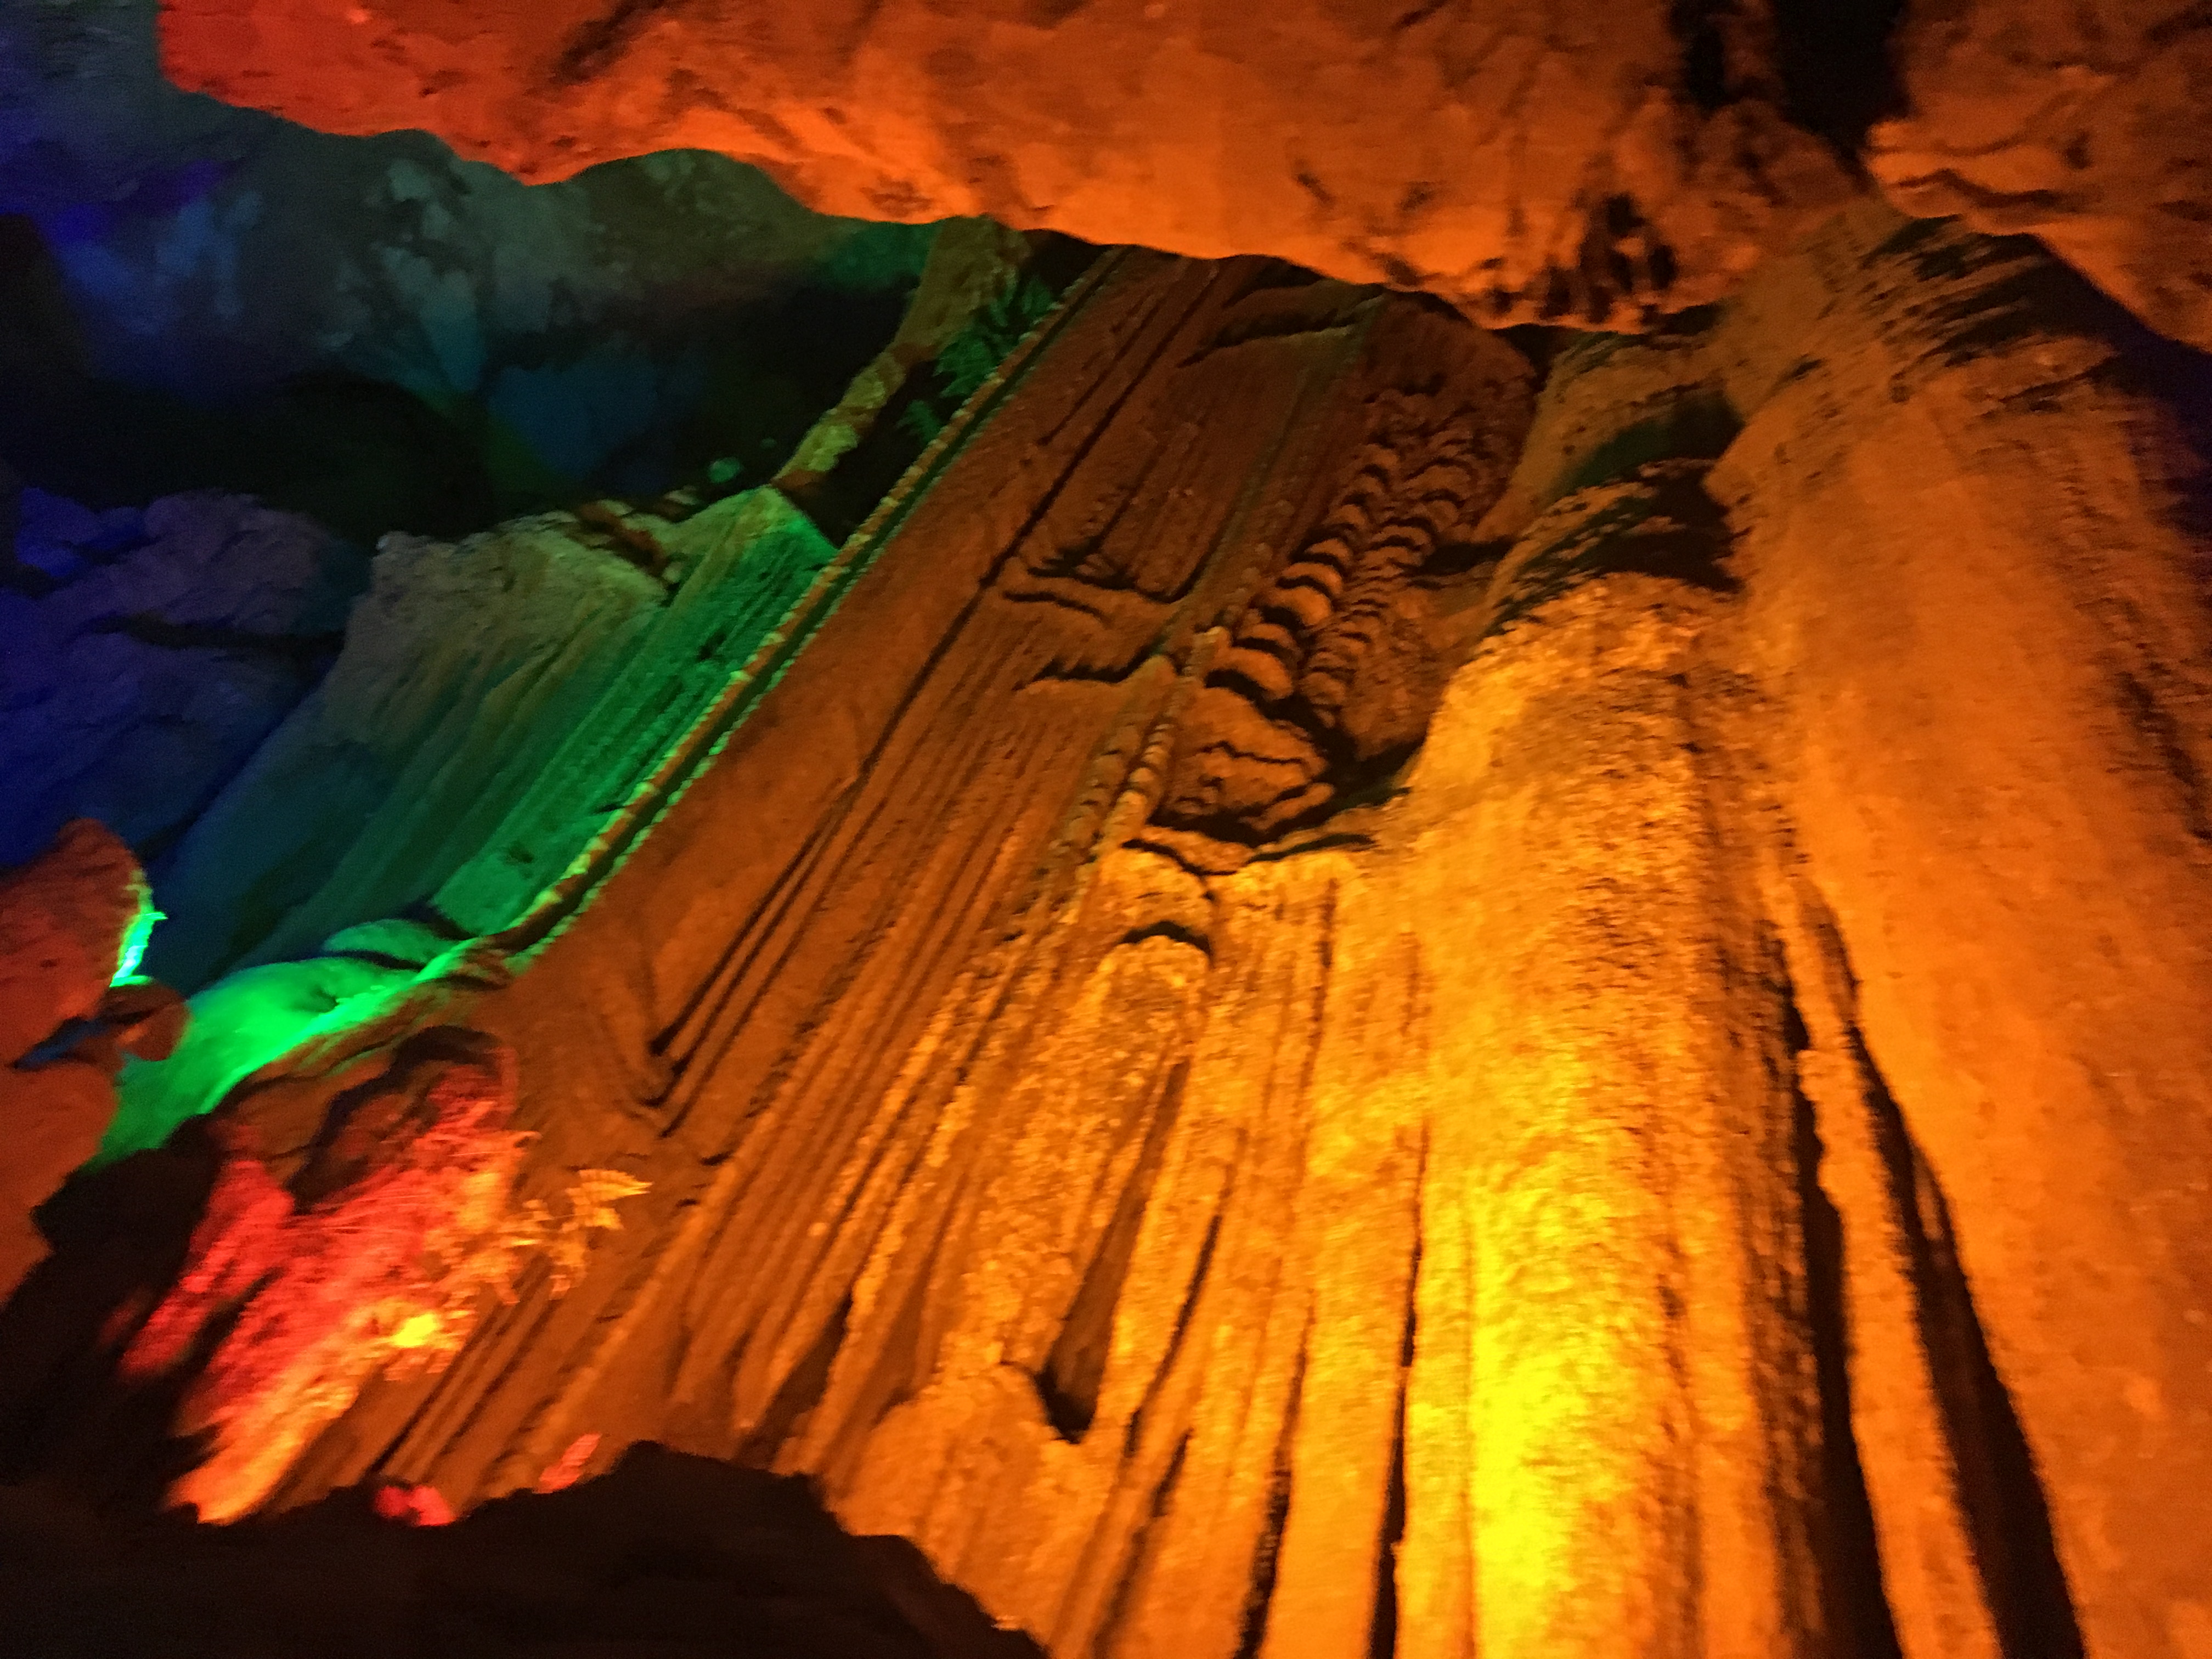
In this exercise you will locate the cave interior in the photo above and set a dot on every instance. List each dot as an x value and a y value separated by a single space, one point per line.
962 828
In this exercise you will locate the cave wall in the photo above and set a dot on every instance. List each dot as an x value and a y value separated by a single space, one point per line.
1419 1021
1376 142
1988 604
1321 994
494 702
2072 123
395 341
148 654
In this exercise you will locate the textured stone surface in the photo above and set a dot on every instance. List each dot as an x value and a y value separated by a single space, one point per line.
1339 1012
2080 124
63 919
151 653
381 333
1556 163
1973 555
61 932
388 776
495 699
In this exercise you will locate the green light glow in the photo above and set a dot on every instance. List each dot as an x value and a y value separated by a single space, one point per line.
134 941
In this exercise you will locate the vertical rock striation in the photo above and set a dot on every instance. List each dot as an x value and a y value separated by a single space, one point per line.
1973 555
1336 1010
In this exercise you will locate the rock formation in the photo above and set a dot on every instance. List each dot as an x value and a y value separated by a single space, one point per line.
72 922
469 766
379 333
1313 1006
1559 163
2075 123
149 653
1283 978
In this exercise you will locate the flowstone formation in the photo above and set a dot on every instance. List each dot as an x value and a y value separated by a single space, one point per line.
1332 992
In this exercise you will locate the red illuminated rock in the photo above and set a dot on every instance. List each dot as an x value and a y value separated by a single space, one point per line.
64 919
1593 165
1563 162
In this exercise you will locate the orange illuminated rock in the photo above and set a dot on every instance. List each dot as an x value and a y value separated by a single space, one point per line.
1567 163
1334 1014
2084 124
1972 562
1590 165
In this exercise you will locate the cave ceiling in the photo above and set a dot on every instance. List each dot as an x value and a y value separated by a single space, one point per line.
1596 166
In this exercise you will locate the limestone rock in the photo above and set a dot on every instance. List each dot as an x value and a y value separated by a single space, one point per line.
462 670
165 646
239 1023
1301 1018
64 921
746 561
1970 523
63 917
2083 124
496 702
973 265
1081 1009
379 333
1559 164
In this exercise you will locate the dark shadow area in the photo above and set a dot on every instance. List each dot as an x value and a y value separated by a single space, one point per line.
1848 1548
1075 1370
666 1555
2007 1514
1383 1624
1258 1598
1834 58
1654 519
67 1418
360 456
840 501
364 457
